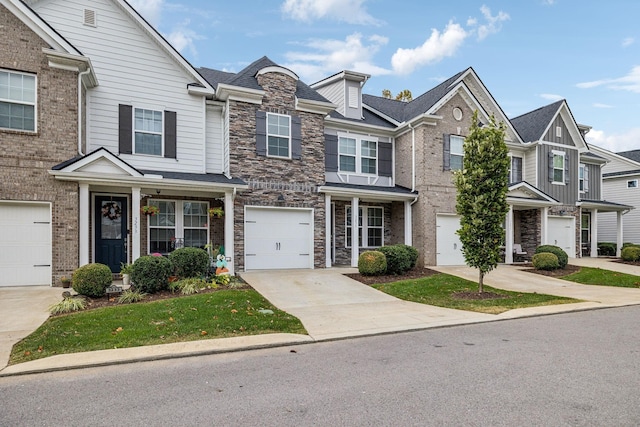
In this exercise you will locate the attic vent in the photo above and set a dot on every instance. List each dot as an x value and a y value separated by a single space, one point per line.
353 97
559 131
90 17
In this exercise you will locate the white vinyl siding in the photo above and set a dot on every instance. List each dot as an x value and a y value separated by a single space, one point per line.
132 69
215 145
17 101
335 93
617 190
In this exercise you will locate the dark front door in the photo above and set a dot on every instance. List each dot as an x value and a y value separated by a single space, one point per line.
111 231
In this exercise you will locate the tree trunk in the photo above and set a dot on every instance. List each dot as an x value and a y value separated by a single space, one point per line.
480 290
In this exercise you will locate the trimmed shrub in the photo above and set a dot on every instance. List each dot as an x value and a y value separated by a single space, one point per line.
372 263
92 280
151 273
412 253
398 259
563 258
607 249
545 261
631 253
627 244
190 262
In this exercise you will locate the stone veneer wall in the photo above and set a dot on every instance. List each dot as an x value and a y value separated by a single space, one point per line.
296 180
530 230
26 157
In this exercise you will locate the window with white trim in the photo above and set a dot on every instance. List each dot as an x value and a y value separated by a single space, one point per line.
585 228
358 154
456 152
147 131
278 135
178 224
583 175
17 101
558 167
515 172
632 183
370 227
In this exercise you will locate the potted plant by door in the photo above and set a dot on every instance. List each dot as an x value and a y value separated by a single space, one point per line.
66 281
125 271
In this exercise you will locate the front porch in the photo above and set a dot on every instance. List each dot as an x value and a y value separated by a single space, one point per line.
589 211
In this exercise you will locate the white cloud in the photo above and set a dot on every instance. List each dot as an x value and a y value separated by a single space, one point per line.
599 105
548 2
328 56
182 37
630 82
628 41
350 11
437 47
551 96
149 9
493 23
616 142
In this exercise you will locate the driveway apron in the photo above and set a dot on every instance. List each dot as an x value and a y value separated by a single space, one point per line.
22 311
331 305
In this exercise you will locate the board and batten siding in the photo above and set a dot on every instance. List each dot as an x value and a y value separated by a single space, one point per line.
564 138
615 190
566 193
335 92
594 184
214 147
132 69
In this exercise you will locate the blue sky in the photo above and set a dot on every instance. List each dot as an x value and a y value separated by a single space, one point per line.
528 53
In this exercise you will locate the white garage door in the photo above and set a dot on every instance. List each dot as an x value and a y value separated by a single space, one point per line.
448 246
561 233
278 238
25 245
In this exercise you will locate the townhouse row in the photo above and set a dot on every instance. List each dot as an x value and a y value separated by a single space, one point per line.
101 117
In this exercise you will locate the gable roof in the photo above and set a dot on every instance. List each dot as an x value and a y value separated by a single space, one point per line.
246 78
632 155
532 125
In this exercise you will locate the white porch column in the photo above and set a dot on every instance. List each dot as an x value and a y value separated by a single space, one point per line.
619 235
328 231
508 238
594 232
544 226
408 223
229 242
355 232
135 224
83 225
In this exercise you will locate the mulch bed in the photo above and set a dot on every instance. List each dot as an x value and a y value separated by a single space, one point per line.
569 269
416 273
636 263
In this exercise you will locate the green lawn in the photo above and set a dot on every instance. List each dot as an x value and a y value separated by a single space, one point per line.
226 313
438 289
598 276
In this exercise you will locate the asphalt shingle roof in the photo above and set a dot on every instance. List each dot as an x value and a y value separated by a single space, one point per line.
633 155
247 78
532 125
368 118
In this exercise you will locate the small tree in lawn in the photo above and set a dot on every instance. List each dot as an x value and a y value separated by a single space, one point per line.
482 195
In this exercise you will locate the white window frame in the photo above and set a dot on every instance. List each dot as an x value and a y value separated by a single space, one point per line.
564 159
359 155
34 104
179 224
276 135
632 183
364 229
511 168
148 132
581 171
456 154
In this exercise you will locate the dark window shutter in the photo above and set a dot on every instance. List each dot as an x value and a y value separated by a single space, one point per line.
261 133
550 166
446 152
170 134
331 153
296 138
385 159
566 168
125 129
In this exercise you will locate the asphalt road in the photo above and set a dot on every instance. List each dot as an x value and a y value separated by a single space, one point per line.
578 369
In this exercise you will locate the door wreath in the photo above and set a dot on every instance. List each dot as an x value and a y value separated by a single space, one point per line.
111 210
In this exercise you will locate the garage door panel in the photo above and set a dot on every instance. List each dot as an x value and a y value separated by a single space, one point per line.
278 238
25 249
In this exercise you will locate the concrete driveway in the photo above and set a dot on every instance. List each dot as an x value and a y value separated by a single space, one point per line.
331 305
22 310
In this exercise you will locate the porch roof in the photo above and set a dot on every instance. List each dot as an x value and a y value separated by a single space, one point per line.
604 206
523 194
368 192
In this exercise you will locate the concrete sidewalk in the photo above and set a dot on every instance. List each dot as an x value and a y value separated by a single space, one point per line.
330 306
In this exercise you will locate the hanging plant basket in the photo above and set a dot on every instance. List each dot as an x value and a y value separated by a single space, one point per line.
150 210
216 212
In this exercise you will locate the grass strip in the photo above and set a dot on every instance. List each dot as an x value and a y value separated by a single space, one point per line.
227 313
600 277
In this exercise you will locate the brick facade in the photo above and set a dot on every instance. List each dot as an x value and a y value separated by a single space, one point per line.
26 157
297 181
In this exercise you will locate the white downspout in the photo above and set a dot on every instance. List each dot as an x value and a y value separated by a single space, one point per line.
80 75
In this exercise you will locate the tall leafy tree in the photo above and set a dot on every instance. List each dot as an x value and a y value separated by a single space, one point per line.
482 195
404 95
